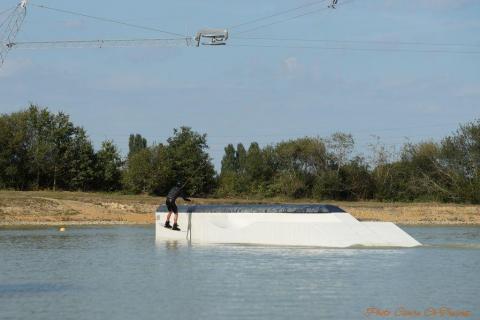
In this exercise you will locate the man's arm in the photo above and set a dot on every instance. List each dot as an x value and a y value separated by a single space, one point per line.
184 196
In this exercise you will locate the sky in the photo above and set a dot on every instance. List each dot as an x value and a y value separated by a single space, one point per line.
255 89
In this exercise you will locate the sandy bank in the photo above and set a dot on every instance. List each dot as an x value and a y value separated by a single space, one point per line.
78 208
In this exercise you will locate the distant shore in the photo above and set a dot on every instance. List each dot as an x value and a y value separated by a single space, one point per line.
37 208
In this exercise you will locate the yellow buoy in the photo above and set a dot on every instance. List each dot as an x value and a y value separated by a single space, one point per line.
61 229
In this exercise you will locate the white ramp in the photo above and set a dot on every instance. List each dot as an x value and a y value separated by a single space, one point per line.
338 230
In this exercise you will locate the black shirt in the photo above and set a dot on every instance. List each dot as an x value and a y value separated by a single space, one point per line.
176 192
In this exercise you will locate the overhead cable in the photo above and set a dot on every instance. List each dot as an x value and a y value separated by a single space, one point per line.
9 29
360 49
379 42
103 43
6 10
276 14
290 18
8 17
108 20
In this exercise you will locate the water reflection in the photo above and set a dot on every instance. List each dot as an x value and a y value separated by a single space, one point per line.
172 244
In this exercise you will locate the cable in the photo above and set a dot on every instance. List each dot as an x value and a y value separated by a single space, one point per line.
12 25
6 19
281 21
288 19
406 43
357 49
1 25
276 14
102 43
108 20
4 11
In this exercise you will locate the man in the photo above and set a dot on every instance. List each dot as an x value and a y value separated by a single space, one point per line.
172 196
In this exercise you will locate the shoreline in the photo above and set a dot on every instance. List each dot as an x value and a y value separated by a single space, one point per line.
80 224
49 208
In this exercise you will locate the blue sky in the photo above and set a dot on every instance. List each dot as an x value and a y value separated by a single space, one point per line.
250 93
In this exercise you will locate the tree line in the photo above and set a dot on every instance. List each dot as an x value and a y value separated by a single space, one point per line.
44 150
324 168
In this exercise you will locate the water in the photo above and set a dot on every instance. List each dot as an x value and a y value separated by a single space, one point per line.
119 273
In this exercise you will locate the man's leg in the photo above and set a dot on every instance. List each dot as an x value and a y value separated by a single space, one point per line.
167 221
175 218
175 225
170 210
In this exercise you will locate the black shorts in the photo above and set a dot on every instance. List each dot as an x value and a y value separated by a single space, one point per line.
171 206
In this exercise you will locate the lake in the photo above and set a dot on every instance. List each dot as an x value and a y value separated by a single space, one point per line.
119 272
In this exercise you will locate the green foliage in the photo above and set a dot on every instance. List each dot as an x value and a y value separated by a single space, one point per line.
109 166
229 160
163 176
229 177
39 149
81 158
190 161
357 181
241 155
136 143
460 163
183 159
325 169
288 184
44 150
254 166
299 162
14 151
327 185
137 178
228 184
340 146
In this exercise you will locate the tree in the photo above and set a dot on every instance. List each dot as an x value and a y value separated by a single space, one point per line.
229 160
340 146
460 161
162 175
227 184
108 167
136 143
356 181
254 168
34 149
157 168
423 178
303 160
254 162
241 156
82 162
327 185
381 160
62 136
40 149
229 172
14 151
137 177
288 184
40 128
190 162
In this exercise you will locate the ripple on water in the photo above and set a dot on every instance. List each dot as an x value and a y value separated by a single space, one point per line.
121 273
